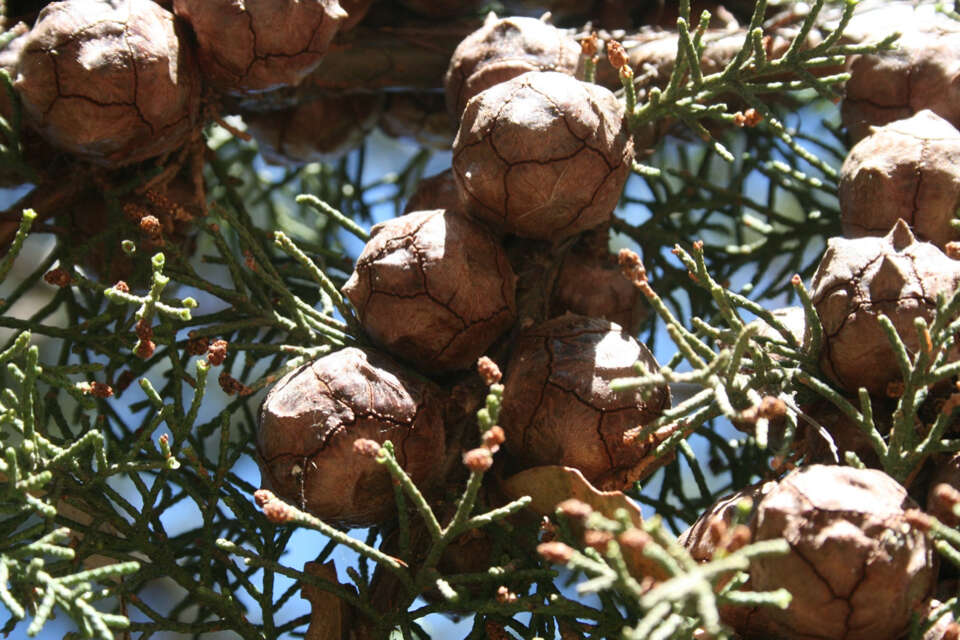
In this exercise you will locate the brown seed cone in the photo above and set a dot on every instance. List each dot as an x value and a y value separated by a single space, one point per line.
311 417
258 46
109 80
590 283
558 407
859 279
542 156
921 72
907 169
419 117
856 568
433 288
504 48
435 192
317 131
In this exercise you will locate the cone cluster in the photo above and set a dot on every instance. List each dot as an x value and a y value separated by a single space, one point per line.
540 157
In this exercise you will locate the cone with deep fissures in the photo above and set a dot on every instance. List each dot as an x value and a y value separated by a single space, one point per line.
559 409
248 47
907 169
502 49
921 72
433 288
856 281
542 156
857 569
312 416
109 81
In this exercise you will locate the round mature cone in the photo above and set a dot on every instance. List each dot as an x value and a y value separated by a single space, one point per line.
312 416
420 117
558 408
543 155
247 47
435 192
108 80
317 131
857 570
434 288
921 72
590 283
907 169
503 49
859 279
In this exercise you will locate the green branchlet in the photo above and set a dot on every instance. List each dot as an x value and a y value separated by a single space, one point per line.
40 574
733 367
688 597
748 75
905 447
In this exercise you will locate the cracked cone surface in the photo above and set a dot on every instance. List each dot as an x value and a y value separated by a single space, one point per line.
311 417
856 568
252 46
503 49
921 72
558 408
856 281
109 81
907 169
433 288
542 156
